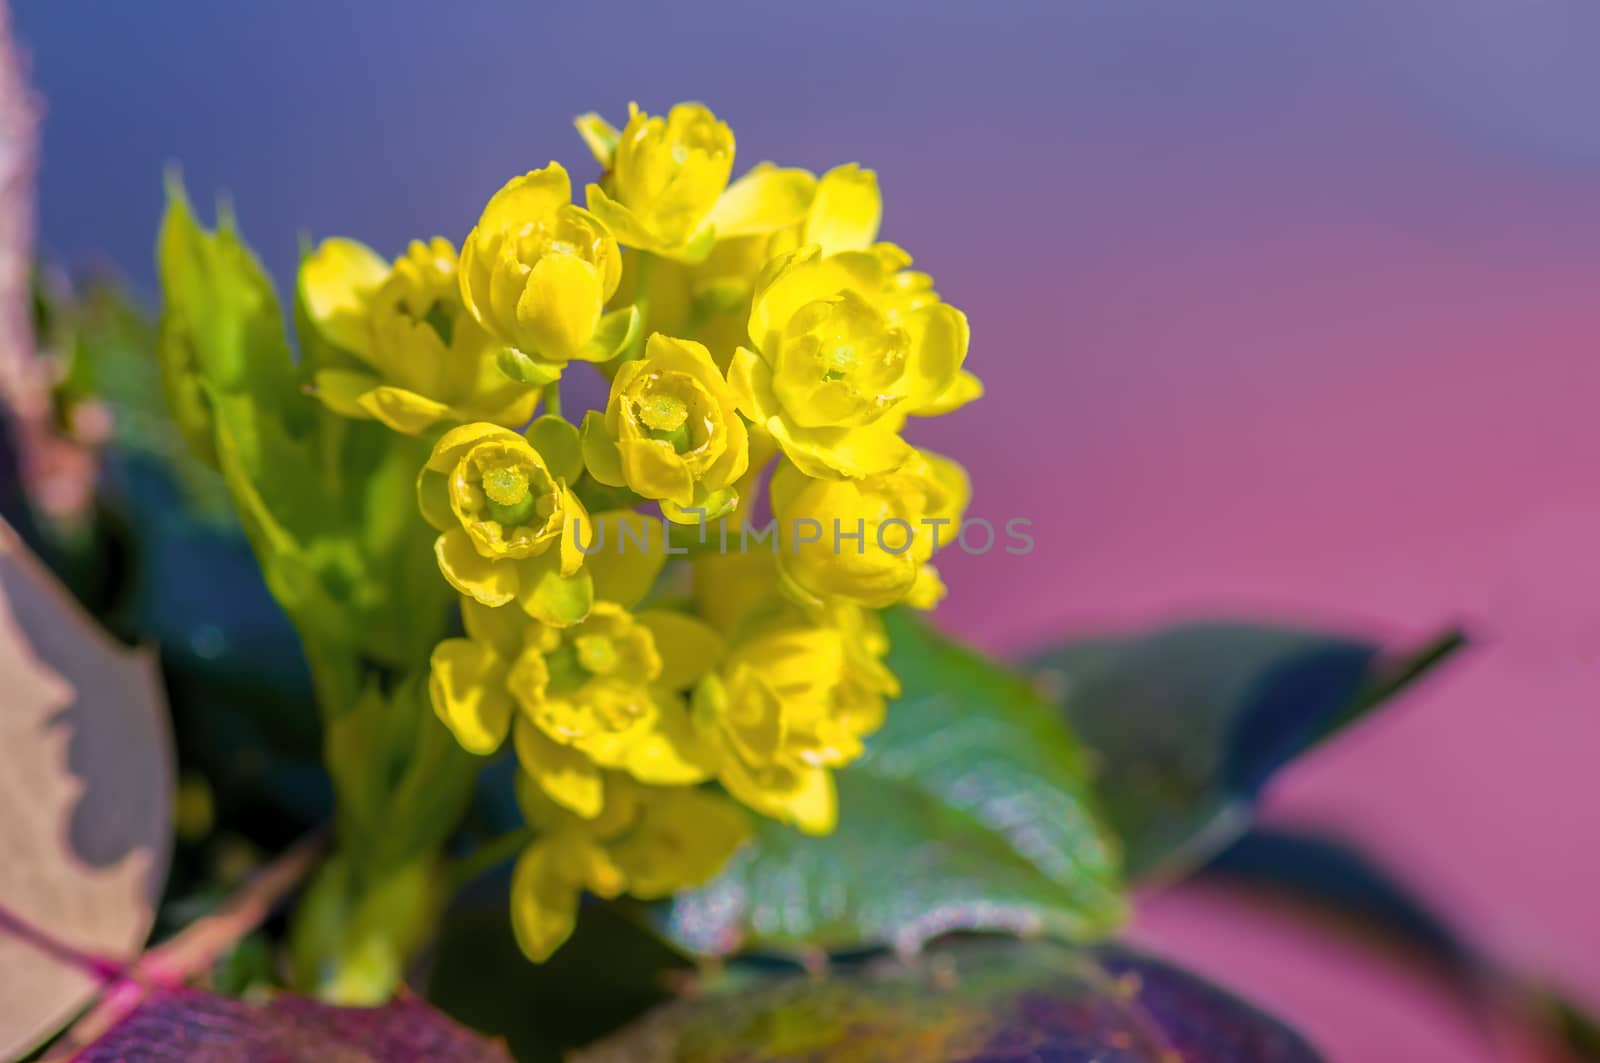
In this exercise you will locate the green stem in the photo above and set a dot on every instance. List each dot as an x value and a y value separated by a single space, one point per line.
641 303
552 398
489 855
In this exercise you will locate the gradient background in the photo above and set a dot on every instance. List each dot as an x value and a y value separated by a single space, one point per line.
1285 309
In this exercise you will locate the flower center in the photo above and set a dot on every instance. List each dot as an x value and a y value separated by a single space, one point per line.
664 413
508 499
597 654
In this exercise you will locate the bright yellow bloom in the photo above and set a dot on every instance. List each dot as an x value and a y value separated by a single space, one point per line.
598 688
663 177
845 348
649 843
670 432
420 358
510 527
536 273
869 541
792 702
769 212
604 693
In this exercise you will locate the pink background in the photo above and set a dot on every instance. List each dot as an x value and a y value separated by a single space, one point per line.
1286 310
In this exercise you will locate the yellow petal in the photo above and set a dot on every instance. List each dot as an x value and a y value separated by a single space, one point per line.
750 380
966 388
457 441
928 591
831 453
683 839
655 470
672 753
405 411
544 901
531 197
466 684
688 648
341 390
939 337
575 531
560 305
433 498
336 282
763 200
623 223
566 776
490 582
847 210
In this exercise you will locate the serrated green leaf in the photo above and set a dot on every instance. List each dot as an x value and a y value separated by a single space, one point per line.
970 810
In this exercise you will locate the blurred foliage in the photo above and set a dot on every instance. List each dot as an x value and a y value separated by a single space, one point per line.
1187 724
984 1000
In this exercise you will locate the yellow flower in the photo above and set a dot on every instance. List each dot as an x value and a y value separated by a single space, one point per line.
845 348
769 212
420 359
536 273
510 527
869 541
670 432
663 177
604 693
792 702
649 843
600 688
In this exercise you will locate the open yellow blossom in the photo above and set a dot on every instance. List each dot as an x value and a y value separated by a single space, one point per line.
869 541
417 357
663 177
604 693
536 273
511 530
597 688
793 701
670 432
649 843
841 357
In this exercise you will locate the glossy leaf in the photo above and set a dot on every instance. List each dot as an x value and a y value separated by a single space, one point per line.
1188 723
969 810
86 778
201 1028
979 1001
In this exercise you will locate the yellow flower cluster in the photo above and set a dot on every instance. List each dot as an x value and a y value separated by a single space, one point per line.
656 678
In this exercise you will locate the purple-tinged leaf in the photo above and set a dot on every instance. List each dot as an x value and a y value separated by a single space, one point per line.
981 1000
198 1027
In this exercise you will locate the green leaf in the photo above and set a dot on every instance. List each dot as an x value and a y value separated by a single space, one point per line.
526 370
977 999
178 1023
616 332
1188 723
969 810
326 502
